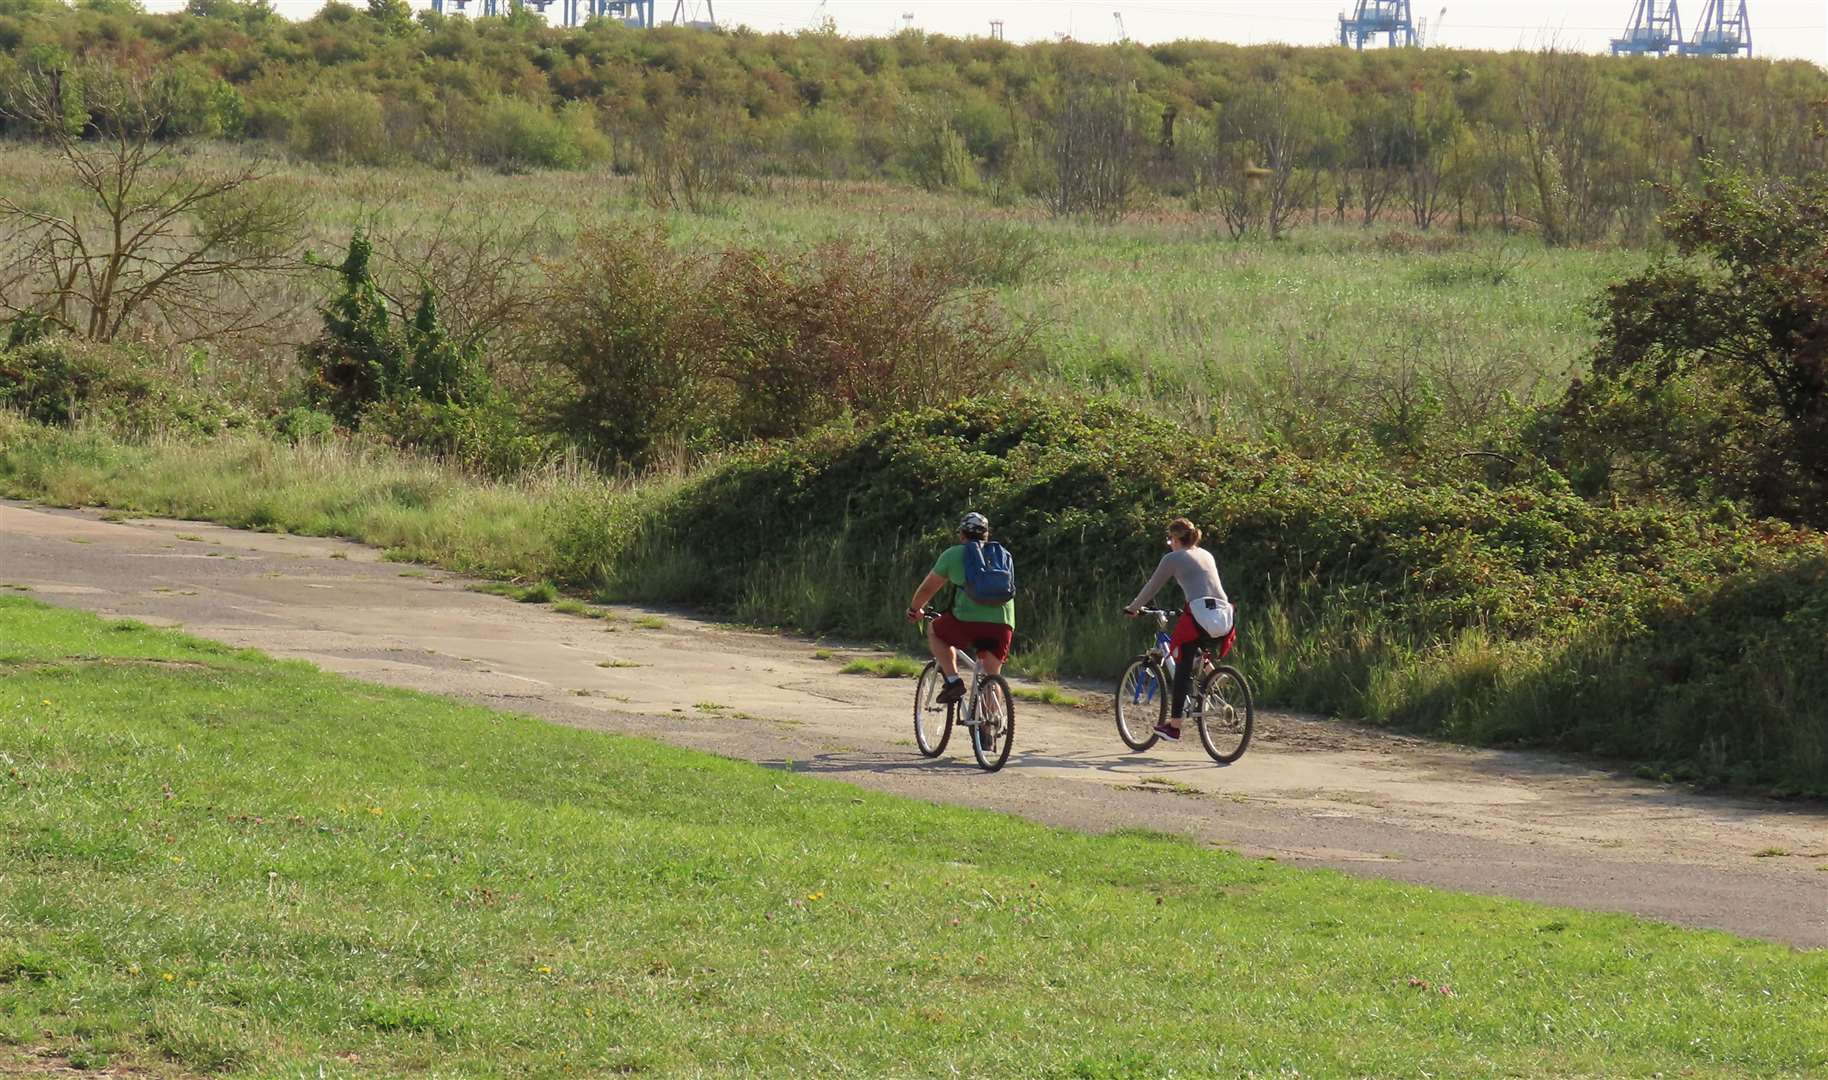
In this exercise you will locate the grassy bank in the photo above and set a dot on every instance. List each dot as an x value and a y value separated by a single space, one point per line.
247 867
1688 646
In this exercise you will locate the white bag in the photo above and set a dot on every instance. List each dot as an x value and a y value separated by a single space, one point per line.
1213 614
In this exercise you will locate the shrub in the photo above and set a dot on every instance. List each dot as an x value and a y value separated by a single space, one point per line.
613 325
486 436
340 126
694 161
358 358
516 135
301 424
801 340
1711 375
50 380
985 253
661 349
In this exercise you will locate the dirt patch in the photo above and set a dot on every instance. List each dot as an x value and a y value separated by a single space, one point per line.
105 662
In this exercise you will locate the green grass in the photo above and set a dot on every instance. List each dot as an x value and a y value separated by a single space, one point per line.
650 622
886 667
1047 695
579 608
248 867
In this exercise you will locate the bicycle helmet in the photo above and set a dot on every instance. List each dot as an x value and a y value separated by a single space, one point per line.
975 524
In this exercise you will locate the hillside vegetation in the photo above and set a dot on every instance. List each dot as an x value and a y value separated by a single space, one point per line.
1257 139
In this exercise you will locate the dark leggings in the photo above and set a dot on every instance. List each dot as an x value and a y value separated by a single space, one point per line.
1183 674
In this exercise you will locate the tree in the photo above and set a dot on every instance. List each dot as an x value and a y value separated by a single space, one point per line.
1711 376
1432 122
1094 145
1262 155
358 359
158 242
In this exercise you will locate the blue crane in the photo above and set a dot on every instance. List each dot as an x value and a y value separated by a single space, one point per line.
1654 28
1721 34
1374 17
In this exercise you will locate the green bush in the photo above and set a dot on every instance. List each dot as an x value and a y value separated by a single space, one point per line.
517 135
1711 377
486 436
359 358
50 380
343 127
301 424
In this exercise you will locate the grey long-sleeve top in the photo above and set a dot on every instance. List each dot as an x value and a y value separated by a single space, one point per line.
1193 569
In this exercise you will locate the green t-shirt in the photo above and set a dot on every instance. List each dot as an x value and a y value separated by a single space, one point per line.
951 566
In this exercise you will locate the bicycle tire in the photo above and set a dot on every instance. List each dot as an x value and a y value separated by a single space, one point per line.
993 753
1225 728
1139 699
928 714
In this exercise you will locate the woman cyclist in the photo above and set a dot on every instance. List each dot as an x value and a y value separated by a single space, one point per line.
1208 615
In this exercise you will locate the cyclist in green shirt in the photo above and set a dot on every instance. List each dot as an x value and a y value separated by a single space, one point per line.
985 631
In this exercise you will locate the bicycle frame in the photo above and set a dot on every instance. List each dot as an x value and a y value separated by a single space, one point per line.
963 662
1146 687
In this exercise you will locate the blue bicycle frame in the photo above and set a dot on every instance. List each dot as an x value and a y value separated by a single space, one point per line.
1147 686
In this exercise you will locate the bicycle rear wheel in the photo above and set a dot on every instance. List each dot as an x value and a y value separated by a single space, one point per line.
994 734
932 721
1224 714
1142 703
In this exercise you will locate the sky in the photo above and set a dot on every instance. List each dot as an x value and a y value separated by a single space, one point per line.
1780 28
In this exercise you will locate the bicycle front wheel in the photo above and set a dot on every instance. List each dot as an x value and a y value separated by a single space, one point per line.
1142 703
994 733
932 721
1224 714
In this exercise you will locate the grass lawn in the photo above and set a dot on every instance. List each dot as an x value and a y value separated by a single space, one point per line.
215 862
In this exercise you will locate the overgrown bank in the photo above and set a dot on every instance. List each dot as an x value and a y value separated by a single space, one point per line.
1483 612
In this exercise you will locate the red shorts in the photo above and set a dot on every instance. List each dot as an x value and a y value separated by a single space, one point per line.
974 638
1188 631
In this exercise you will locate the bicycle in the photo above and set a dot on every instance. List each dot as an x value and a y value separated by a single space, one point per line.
989 710
1219 701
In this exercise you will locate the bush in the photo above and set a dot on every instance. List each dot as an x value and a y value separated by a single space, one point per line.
486 437
359 358
613 326
517 135
663 350
1711 374
50 380
343 127
799 340
984 253
415 386
301 424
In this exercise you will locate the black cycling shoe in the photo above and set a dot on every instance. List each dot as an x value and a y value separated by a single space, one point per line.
951 692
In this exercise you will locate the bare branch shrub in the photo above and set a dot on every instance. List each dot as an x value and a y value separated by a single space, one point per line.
159 243
1095 146
483 268
694 162
661 351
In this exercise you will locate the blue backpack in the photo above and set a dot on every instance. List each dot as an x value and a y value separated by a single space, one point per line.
990 573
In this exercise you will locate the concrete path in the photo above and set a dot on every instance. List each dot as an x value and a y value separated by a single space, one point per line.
1309 792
